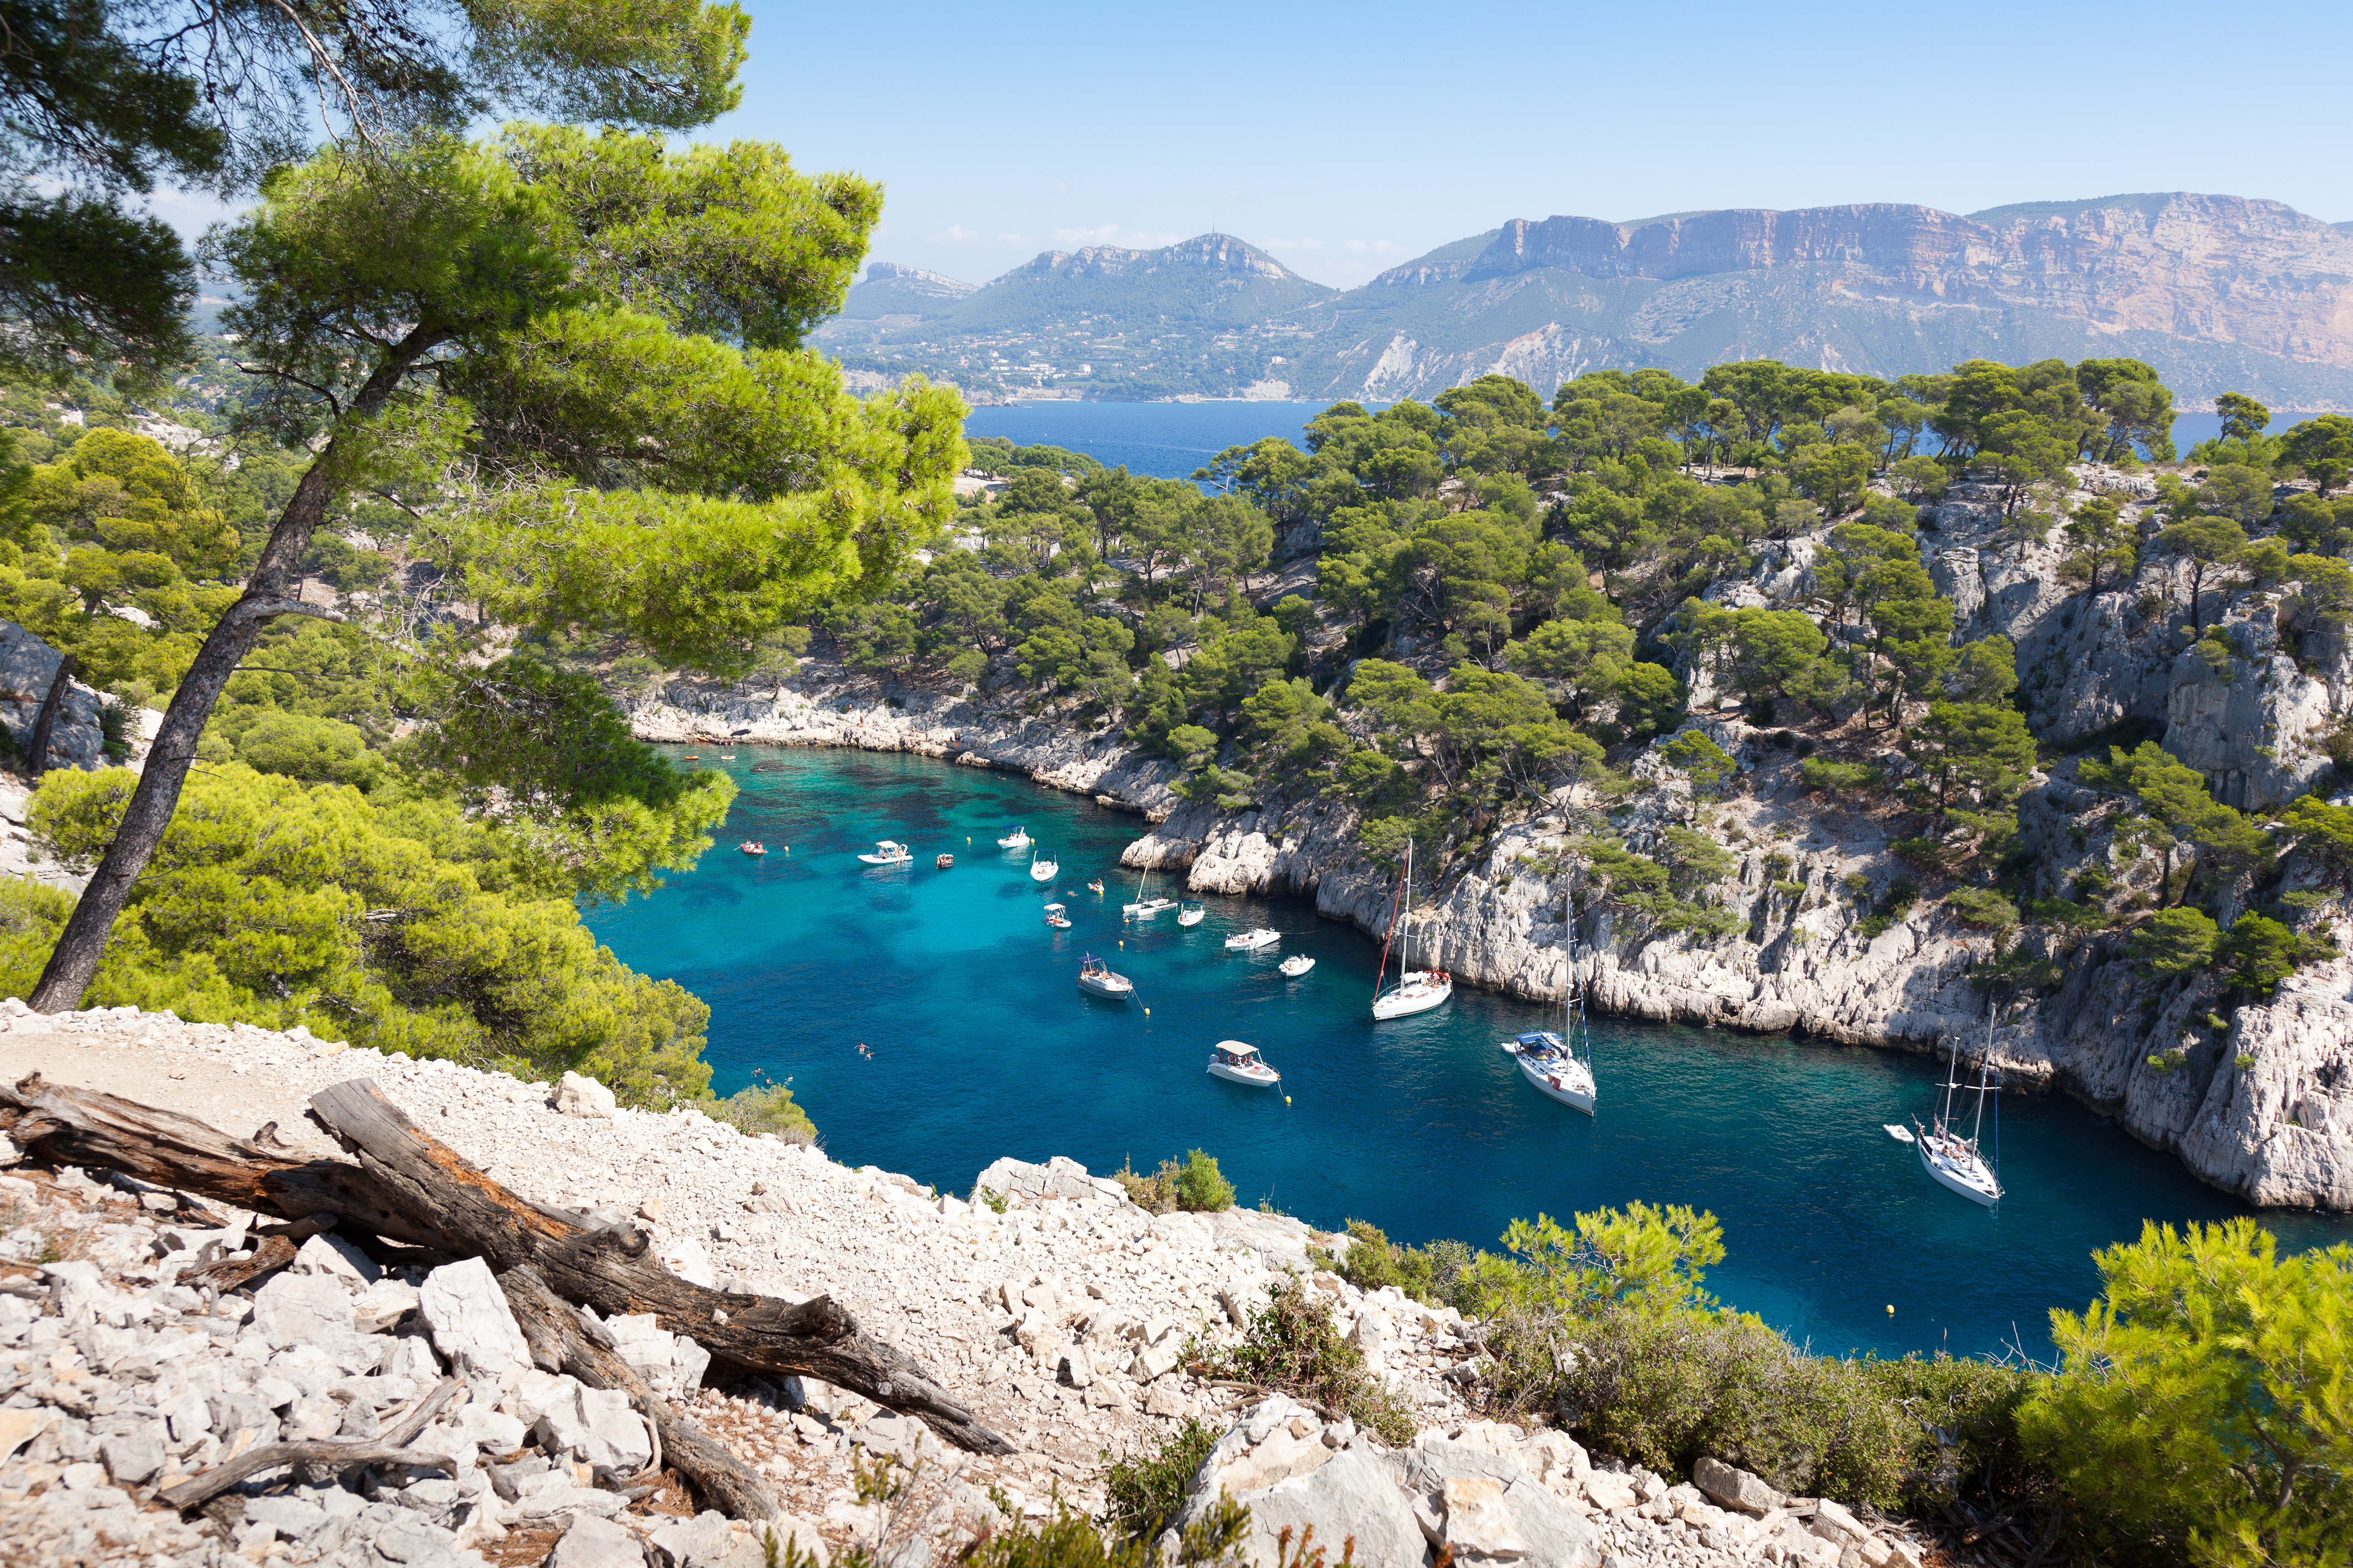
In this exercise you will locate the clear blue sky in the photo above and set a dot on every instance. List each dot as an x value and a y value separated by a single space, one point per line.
1347 137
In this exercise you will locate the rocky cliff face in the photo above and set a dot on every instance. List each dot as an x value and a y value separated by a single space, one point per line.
2263 1108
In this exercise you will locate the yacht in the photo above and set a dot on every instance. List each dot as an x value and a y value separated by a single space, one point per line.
1044 870
1237 1063
1017 839
1417 990
889 852
1952 1161
1190 914
1297 964
1561 1065
1252 940
1098 980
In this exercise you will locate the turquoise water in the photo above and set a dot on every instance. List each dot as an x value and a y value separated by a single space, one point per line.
982 1045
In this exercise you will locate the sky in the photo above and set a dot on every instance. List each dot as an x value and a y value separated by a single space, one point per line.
1345 139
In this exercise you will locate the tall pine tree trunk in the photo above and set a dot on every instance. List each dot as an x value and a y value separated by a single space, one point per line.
268 594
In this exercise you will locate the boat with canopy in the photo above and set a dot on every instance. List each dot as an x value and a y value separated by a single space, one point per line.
1237 1063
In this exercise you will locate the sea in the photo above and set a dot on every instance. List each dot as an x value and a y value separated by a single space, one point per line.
929 1021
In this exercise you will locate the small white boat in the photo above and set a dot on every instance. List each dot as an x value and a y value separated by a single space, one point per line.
1417 990
1553 1068
1190 914
1252 940
1096 980
889 852
1057 918
1044 870
1017 839
1902 1134
1237 1063
1297 964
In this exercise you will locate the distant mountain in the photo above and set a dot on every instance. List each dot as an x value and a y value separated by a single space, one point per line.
2220 293
1195 318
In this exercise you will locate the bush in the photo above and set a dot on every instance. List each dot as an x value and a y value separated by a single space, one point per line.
1291 1345
1143 1494
1839 778
1432 1274
1197 1186
761 1107
2202 1403
1982 907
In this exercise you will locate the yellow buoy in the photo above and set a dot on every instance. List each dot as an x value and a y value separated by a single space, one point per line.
1891 1308
1286 1099
1147 1012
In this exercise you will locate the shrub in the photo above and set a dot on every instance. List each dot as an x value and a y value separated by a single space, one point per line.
760 1108
1432 1274
1839 778
1982 907
2202 1400
1197 1186
2175 942
1290 1344
1143 1493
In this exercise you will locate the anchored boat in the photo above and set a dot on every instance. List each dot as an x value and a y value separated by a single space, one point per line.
1190 914
1252 940
1017 839
1417 990
1237 1063
1297 964
1952 1161
889 852
1561 1065
1096 980
1056 918
1044 870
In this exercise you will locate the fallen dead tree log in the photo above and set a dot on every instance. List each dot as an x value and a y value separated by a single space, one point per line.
333 1453
562 1340
409 1187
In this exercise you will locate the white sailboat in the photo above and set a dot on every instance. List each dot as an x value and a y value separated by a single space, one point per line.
1143 908
1952 1161
1044 870
1561 1065
1252 940
1417 990
889 852
1017 839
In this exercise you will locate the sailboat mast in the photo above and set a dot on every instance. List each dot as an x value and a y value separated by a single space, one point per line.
1985 1067
1405 948
1397 904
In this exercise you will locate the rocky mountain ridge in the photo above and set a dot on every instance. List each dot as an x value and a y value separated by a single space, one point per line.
2219 292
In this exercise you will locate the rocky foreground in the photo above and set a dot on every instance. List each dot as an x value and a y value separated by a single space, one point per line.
124 1373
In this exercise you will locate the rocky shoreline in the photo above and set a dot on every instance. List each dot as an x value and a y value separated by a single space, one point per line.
2278 1130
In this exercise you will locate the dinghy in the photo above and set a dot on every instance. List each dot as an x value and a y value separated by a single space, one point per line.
1297 964
1190 914
753 847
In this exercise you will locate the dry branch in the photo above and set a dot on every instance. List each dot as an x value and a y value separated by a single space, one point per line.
196 1491
410 1188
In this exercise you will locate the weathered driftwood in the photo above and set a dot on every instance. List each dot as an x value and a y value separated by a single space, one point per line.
410 1188
227 1274
330 1453
563 1341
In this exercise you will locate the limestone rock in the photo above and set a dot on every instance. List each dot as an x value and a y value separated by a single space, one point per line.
469 1318
593 1542
578 1095
1735 1488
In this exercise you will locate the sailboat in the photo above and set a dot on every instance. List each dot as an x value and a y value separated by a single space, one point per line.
1143 908
1562 1065
1417 990
1951 1159
1044 870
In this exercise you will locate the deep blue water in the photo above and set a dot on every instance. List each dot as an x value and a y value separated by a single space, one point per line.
982 1046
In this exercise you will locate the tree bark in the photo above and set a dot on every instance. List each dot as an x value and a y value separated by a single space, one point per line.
563 1341
82 943
36 751
409 1187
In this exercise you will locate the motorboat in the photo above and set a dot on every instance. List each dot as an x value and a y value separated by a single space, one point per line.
1057 918
889 852
1097 980
1555 1068
1189 914
1898 1131
1044 870
1237 1063
1953 1162
944 861
1250 941
1297 964
1017 839
726 756
753 847
1417 990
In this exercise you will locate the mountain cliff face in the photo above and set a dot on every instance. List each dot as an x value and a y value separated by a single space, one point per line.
2219 292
